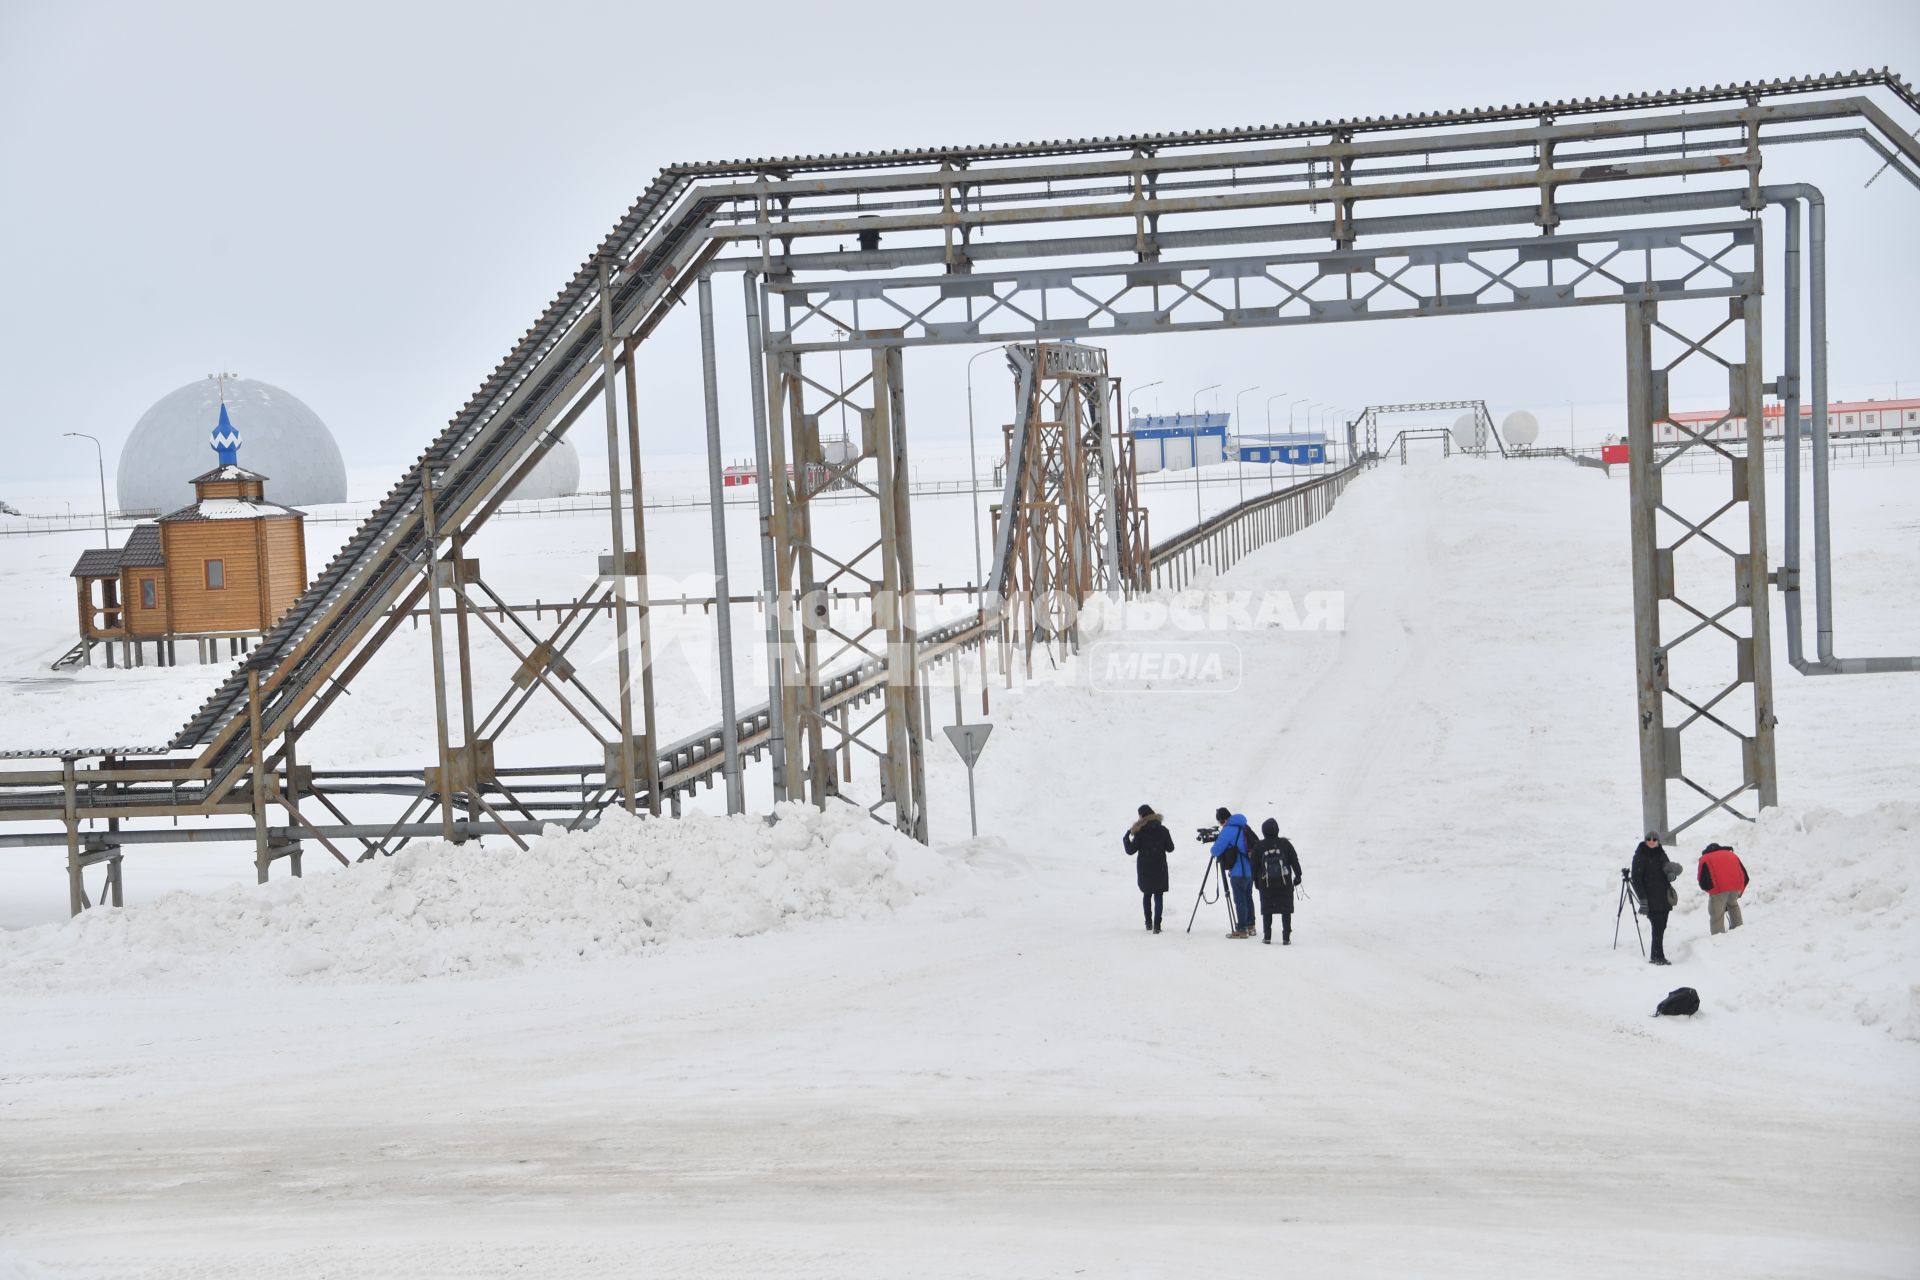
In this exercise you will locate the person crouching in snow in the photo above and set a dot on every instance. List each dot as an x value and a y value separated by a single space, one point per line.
1233 849
1148 843
1277 871
1723 877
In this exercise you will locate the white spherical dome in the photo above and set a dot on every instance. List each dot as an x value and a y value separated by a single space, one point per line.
280 438
1520 428
1464 431
555 476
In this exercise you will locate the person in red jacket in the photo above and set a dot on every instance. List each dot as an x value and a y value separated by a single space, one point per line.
1722 878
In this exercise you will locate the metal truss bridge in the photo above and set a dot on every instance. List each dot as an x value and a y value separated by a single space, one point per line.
1651 203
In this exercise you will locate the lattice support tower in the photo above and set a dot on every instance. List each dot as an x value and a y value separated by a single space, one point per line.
1702 647
819 562
1069 525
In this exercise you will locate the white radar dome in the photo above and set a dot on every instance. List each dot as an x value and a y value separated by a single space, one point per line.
280 438
555 476
1463 431
1520 428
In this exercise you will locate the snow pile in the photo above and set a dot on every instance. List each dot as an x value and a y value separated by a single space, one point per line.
1830 928
16 1266
433 909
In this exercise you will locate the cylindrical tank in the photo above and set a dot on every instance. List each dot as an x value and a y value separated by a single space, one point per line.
1520 429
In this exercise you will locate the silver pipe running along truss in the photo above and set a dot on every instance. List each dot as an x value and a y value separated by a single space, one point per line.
1649 202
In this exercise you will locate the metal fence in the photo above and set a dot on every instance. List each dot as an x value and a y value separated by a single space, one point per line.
1223 540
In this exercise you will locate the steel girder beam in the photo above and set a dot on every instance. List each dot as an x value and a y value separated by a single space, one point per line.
1586 269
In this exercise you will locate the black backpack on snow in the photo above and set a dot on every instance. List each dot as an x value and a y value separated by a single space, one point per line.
1681 1000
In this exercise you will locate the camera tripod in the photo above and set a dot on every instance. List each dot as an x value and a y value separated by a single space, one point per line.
1225 893
1629 901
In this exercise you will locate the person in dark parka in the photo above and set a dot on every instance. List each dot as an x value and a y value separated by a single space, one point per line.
1148 843
1276 889
1648 876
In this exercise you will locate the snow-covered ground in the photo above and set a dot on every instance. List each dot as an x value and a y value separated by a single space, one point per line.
805 1049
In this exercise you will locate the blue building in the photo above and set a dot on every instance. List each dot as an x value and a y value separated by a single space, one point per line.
1177 441
1300 449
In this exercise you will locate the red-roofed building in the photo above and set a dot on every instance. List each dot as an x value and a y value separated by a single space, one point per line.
1844 418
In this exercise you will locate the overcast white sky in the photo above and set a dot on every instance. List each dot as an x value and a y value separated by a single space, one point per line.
367 204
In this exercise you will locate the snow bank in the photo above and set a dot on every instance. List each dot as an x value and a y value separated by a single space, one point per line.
15 1266
433 909
1831 931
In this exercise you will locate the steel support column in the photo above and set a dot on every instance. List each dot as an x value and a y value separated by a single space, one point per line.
430 520
643 610
1643 502
1703 570
769 562
622 568
905 759
722 579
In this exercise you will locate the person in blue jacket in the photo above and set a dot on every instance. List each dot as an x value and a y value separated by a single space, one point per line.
1233 849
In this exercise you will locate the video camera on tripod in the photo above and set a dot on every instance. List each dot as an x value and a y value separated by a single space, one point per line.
1207 835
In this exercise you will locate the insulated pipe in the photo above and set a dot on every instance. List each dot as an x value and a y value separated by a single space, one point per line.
769 567
1824 662
1817 310
723 615
1788 577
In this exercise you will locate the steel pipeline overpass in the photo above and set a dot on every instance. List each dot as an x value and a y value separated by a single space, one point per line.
1651 202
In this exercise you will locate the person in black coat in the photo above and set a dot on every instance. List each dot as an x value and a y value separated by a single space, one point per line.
1148 843
1648 876
1276 891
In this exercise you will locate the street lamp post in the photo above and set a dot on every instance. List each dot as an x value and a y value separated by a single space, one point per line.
1290 408
1136 391
1238 472
106 538
1270 399
1194 444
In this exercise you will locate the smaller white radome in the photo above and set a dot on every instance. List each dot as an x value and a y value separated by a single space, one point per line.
555 476
1463 430
1520 428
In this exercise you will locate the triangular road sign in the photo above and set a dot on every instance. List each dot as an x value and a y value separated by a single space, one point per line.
969 740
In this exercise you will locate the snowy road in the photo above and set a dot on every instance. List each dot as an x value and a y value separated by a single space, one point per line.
914 1099
1451 1074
